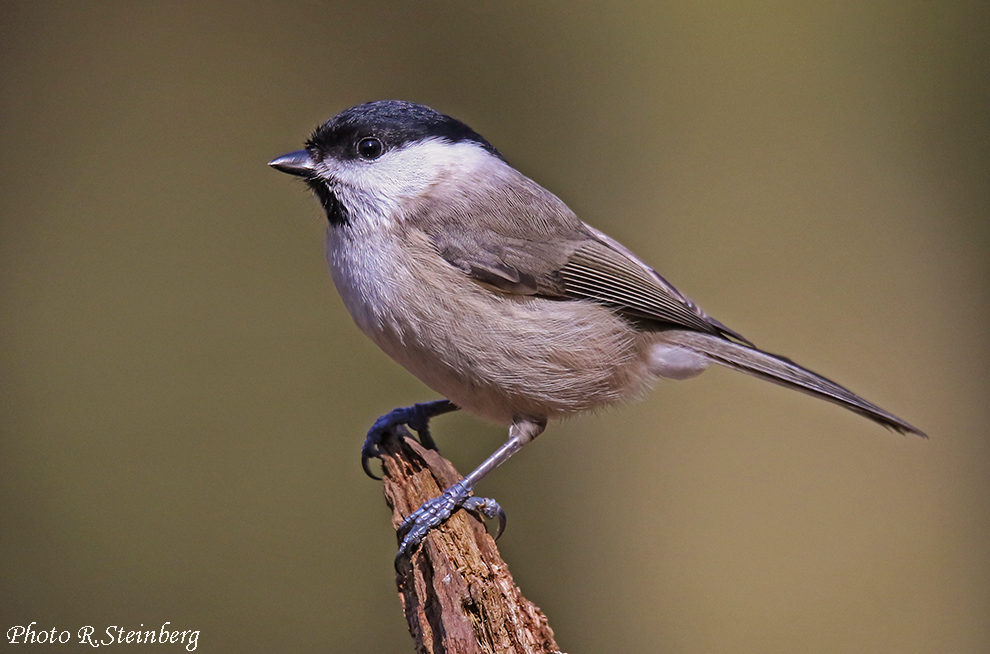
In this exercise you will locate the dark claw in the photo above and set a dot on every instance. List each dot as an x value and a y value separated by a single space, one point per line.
416 417
488 508
374 438
366 454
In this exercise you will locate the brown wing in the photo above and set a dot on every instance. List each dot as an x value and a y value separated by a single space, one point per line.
530 243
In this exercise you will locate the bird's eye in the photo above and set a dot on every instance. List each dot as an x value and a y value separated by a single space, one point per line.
370 148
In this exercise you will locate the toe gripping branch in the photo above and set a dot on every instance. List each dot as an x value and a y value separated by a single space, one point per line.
417 417
437 511
434 512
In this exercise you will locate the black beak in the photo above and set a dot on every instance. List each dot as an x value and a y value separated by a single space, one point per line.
294 163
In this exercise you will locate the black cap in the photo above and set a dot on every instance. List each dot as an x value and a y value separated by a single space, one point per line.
393 122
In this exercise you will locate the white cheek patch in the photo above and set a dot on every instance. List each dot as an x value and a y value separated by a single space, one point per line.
675 362
375 189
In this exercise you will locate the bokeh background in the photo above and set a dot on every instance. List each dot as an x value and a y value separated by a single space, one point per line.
183 396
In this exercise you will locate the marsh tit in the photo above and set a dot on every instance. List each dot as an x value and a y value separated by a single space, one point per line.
486 287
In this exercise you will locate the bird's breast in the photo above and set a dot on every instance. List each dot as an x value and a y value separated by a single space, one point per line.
496 355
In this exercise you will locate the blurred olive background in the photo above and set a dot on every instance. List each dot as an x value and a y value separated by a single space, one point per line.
184 396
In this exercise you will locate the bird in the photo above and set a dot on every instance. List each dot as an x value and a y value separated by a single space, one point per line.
491 291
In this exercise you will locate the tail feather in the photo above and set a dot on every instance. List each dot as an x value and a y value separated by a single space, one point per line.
785 372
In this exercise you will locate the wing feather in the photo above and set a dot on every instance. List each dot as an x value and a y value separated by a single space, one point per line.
527 242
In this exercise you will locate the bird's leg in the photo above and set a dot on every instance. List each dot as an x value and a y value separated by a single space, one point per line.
435 512
416 417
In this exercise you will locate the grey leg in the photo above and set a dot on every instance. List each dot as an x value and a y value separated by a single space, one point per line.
438 510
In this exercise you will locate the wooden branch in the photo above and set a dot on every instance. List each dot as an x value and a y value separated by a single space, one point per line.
456 592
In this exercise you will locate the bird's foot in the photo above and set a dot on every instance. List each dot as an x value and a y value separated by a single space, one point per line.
416 417
437 511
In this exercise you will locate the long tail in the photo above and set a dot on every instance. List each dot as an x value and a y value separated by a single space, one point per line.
785 372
